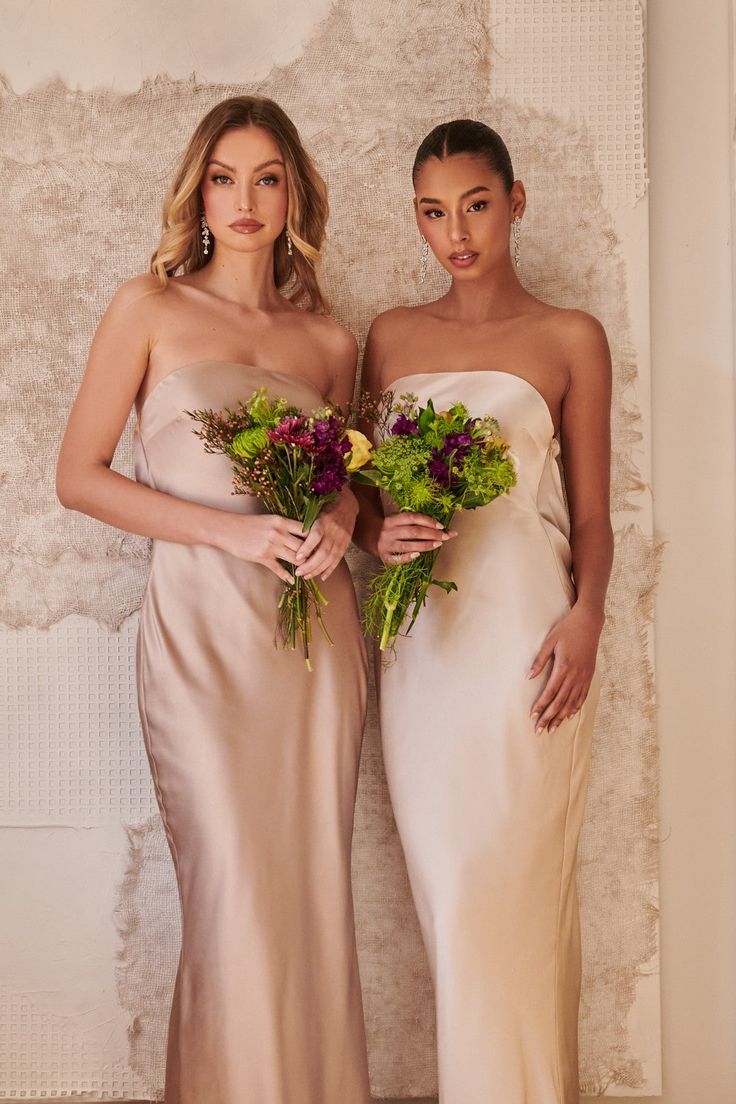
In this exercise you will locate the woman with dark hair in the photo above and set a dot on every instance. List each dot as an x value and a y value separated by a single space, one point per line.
253 758
487 712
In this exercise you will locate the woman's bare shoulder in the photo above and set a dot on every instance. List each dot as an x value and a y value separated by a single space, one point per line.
335 339
337 336
574 326
392 323
139 297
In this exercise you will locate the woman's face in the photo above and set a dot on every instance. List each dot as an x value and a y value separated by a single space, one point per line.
465 213
244 190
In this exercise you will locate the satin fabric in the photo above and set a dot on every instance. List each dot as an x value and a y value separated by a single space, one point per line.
255 764
488 812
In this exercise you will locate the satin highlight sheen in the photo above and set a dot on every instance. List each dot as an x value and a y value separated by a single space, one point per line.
255 765
488 812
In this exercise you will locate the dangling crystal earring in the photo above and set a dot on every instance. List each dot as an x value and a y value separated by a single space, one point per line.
289 247
423 260
205 234
517 240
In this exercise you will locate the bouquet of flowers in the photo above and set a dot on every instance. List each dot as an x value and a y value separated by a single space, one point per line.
432 463
295 463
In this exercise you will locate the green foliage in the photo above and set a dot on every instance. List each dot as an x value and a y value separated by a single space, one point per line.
434 463
249 442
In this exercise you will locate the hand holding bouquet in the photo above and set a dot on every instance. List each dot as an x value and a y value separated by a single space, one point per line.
296 464
430 463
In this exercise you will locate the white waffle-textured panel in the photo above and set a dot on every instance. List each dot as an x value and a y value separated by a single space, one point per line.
62 1031
584 61
42 1050
72 751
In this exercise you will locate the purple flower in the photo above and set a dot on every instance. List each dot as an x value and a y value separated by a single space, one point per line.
329 459
328 480
438 469
455 448
459 443
328 431
404 427
292 431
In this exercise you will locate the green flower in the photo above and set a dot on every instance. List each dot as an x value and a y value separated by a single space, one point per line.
249 442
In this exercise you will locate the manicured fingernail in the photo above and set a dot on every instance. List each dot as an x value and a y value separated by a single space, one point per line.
539 728
438 525
437 544
552 727
416 555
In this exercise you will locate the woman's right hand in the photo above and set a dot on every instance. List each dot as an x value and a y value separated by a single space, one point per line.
405 536
263 539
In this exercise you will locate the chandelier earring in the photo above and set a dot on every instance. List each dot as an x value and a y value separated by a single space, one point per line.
205 234
423 258
289 244
517 240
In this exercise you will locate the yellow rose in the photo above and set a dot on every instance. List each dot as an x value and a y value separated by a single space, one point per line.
361 451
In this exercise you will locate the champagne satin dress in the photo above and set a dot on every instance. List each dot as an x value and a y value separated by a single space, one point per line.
489 813
255 765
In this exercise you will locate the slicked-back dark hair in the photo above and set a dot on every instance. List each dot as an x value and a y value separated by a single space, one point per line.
467 136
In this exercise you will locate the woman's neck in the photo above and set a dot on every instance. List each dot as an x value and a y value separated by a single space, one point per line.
242 278
498 295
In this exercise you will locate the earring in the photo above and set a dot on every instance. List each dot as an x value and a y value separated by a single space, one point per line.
289 247
205 234
423 257
517 239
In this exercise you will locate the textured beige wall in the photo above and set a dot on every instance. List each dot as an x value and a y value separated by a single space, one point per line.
692 318
101 139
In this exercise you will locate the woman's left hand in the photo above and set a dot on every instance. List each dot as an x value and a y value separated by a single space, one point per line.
572 644
329 537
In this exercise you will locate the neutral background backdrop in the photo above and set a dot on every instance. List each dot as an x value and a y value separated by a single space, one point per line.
690 138
691 125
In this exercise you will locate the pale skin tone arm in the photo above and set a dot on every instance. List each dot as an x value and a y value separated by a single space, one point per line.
117 363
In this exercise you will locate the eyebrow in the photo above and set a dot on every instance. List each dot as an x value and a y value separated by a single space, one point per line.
470 191
274 161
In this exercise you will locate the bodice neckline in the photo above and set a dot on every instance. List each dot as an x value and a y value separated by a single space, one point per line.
231 363
483 372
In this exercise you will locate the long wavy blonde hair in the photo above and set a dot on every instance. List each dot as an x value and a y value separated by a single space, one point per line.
180 247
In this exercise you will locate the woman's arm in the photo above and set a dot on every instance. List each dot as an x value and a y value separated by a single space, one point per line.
586 452
84 480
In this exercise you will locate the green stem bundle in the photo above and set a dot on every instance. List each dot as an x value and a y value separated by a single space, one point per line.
397 590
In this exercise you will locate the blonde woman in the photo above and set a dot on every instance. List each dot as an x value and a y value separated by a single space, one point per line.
253 758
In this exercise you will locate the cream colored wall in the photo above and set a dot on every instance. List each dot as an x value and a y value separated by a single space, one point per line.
691 58
690 61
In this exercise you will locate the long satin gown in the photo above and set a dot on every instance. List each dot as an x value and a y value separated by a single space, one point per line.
488 812
255 765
